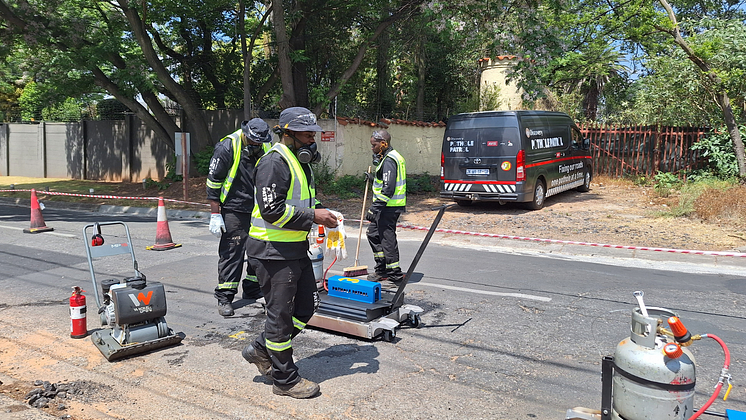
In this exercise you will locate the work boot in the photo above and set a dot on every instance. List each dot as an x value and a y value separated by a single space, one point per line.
301 389
376 277
225 309
261 360
395 279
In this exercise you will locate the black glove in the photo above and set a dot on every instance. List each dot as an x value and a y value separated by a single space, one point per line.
370 216
369 177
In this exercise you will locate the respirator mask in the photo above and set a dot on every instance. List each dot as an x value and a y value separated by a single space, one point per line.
377 157
308 153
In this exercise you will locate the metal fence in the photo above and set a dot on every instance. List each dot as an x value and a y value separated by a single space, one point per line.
644 150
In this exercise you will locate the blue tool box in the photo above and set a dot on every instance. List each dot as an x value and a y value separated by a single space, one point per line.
354 289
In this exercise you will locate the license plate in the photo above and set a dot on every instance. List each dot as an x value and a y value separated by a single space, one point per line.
477 172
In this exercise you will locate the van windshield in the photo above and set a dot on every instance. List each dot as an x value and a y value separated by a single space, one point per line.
482 136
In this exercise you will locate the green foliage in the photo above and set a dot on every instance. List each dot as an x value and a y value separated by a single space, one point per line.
640 180
31 102
717 147
323 174
202 160
110 109
664 182
347 186
70 110
489 98
422 183
151 183
171 170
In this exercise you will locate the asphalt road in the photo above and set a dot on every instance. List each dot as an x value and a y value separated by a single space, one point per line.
509 331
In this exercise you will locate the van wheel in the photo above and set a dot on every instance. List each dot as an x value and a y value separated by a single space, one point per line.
464 203
586 183
540 194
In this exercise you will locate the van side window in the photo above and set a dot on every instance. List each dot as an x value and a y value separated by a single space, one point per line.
577 138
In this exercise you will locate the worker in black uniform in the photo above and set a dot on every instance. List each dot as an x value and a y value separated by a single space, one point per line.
230 191
285 210
389 202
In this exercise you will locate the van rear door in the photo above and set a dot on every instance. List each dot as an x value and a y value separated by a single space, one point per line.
479 153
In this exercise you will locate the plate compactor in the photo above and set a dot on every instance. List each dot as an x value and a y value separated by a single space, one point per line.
361 308
131 309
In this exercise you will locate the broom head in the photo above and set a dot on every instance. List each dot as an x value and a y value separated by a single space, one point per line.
358 270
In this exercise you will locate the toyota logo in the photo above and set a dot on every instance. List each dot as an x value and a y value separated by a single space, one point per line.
477 161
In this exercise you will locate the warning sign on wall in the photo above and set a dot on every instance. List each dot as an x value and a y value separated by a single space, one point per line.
327 136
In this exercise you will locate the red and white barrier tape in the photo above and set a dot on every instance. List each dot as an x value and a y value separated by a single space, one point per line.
557 241
459 232
116 197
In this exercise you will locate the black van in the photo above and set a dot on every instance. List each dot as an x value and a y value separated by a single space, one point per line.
518 156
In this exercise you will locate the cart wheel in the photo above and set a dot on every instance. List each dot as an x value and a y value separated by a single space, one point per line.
389 335
415 320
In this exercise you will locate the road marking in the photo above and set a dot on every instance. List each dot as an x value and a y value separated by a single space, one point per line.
64 235
485 292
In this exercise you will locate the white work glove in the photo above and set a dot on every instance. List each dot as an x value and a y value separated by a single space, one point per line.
335 238
217 225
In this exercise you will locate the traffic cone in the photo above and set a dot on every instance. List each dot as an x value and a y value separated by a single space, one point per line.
37 220
163 239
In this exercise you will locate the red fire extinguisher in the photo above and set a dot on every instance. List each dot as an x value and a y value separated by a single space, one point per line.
78 326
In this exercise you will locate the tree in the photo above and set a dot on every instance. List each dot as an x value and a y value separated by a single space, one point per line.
719 90
587 70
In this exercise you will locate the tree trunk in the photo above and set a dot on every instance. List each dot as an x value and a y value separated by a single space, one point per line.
248 54
735 134
283 55
300 68
419 112
405 10
160 131
246 61
192 110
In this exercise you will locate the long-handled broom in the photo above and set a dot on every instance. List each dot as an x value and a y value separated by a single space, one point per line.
359 270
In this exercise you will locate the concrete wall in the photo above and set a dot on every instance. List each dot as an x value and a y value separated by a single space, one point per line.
125 150
64 147
26 150
4 149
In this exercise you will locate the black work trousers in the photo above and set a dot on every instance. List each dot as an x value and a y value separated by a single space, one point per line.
231 253
382 238
289 288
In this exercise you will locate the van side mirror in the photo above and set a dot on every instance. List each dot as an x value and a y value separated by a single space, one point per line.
586 144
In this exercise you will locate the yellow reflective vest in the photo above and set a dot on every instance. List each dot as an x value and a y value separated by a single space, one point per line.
236 146
399 199
301 194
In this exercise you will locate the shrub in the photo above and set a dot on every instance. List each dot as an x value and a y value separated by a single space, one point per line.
664 182
717 147
422 183
202 160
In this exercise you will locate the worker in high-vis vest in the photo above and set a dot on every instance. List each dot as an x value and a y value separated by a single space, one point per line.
285 211
389 202
230 191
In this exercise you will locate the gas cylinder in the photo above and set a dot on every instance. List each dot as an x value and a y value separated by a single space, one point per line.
653 377
78 325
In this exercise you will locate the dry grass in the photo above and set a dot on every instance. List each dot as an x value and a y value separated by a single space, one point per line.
722 205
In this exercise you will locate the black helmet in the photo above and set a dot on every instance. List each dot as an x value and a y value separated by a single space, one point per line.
256 130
